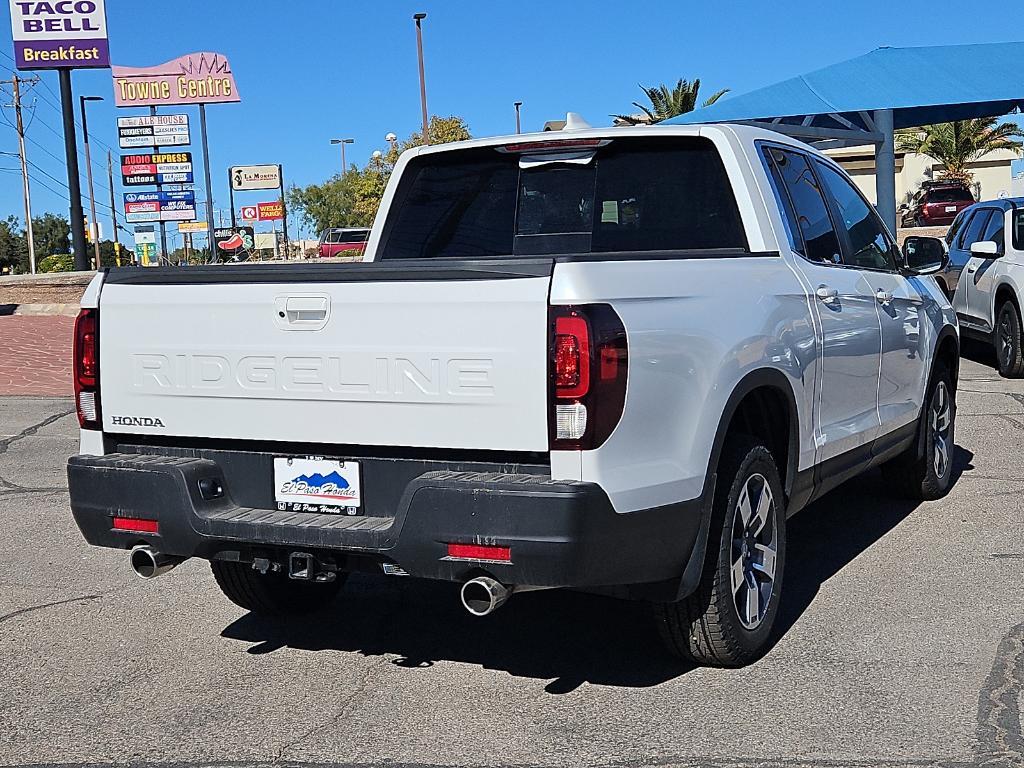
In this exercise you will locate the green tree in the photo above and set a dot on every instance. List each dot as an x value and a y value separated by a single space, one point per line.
51 234
442 130
13 248
352 200
958 144
668 102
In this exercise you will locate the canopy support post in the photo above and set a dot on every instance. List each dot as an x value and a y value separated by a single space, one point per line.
885 169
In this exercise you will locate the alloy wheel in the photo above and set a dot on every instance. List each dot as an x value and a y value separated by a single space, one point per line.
1005 339
941 422
754 551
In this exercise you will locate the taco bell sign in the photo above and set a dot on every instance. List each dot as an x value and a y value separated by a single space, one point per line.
60 34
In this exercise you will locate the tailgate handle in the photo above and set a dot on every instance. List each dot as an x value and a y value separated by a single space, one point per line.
302 313
306 309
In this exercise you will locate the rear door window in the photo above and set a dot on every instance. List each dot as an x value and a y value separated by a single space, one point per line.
633 195
820 242
994 230
975 228
955 227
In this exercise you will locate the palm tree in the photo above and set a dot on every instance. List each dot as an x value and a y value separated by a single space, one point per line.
958 144
666 103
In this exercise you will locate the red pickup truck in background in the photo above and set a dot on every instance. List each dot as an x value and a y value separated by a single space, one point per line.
337 240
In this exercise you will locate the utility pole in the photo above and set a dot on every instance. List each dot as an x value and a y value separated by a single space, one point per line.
67 109
95 226
517 105
113 208
20 129
418 18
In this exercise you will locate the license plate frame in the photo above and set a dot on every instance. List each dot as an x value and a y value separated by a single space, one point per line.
317 484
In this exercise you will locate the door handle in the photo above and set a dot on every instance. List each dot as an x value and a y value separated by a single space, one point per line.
884 297
826 294
972 270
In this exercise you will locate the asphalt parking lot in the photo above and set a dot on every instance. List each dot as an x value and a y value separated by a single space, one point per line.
901 643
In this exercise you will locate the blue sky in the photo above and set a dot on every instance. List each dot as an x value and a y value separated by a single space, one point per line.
310 70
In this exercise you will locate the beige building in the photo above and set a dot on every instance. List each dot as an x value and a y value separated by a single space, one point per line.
992 176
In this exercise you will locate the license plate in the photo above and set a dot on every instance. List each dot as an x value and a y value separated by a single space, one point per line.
315 484
950 208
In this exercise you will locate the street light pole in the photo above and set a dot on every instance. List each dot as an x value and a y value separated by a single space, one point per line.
343 142
418 18
517 105
88 167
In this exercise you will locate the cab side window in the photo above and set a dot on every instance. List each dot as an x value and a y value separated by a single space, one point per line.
789 219
870 247
814 224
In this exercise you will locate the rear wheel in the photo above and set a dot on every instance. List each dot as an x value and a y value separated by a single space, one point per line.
924 472
728 620
1008 341
272 593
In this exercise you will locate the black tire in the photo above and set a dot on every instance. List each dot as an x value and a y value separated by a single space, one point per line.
272 594
918 473
706 627
1006 338
918 222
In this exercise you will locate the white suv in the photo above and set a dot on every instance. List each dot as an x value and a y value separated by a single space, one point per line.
605 359
985 276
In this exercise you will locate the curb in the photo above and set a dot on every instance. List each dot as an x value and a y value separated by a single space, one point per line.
65 310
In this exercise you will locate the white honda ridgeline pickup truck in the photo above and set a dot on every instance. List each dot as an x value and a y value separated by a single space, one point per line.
613 360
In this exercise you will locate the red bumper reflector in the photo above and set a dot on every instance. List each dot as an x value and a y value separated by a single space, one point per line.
479 552
136 525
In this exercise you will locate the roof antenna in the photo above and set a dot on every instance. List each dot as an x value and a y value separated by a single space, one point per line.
574 122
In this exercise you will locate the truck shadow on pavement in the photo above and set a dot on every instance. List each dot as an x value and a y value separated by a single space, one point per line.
564 637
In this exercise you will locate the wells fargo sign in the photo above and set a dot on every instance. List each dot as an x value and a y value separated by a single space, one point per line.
198 78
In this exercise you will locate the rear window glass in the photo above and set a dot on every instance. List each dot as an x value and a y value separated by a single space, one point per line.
949 196
346 236
631 195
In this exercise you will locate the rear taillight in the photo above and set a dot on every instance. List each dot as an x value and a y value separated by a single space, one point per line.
588 375
86 365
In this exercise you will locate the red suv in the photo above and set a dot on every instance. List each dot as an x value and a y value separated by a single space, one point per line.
337 240
937 205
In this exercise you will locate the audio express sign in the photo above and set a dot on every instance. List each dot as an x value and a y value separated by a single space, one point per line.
153 131
156 168
159 206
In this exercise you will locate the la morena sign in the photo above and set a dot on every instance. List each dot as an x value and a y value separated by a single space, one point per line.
196 78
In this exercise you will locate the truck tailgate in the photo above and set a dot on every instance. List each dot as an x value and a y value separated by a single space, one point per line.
346 354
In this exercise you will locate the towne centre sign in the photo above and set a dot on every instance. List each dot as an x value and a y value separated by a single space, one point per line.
196 78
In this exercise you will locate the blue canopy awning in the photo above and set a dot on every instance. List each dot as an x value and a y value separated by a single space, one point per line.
933 84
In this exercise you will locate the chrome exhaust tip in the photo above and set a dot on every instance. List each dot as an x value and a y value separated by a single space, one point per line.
484 595
148 564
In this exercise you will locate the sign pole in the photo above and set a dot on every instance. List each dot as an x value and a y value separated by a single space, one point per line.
67 109
284 211
113 208
209 184
231 198
159 188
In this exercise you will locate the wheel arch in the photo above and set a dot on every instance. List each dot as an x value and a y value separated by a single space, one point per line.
947 351
761 403
1005 291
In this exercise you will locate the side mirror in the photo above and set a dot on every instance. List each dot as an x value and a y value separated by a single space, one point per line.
985 248
924 255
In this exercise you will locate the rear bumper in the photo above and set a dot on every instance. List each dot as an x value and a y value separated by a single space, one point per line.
561 533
